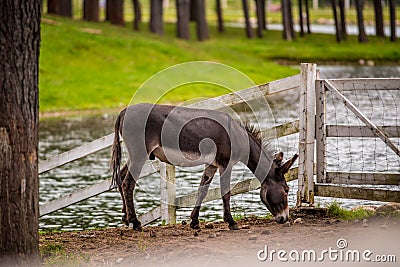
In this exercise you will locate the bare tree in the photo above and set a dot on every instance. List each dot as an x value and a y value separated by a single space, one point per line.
201 25
392 11
249 30
343 19
337 23
219 16
183 18
116 12
260 19
362 37
65 8
137 11
91 10
378 18
19 182
287 20
156 16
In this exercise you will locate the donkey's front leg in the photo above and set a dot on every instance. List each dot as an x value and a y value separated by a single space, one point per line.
226 196
128 187
201 194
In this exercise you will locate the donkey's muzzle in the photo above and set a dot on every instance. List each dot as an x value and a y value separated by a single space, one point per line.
282 216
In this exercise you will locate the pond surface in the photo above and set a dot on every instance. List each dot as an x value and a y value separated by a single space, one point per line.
59 135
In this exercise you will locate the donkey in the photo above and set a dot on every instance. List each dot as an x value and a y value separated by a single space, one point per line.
184 136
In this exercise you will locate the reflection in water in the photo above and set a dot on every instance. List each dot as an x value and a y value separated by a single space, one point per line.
59 135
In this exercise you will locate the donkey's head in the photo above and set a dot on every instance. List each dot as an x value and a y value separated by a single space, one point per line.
274 190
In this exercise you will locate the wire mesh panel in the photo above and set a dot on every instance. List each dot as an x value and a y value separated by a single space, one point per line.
361 133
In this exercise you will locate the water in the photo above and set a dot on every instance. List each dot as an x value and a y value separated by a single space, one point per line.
58 135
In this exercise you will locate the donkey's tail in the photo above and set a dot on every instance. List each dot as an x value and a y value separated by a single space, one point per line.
116 154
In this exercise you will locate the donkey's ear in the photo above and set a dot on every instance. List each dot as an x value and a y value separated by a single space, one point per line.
286 166
278 158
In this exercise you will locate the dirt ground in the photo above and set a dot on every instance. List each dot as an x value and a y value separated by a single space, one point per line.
216 245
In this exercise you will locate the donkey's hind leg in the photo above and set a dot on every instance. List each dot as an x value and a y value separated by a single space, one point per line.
128 187
123 173
226 196
201 194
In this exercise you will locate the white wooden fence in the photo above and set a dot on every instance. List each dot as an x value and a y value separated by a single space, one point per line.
311 101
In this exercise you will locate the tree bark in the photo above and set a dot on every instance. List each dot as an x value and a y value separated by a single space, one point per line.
301 17
249 30
201 25
137 11
291 23
362 37
219 16
260 19
285 20
91 10
392 11
343 26
116 12
65 8
156 17
183 19
264 14
53 7
337 24
378 18
19 182
308 17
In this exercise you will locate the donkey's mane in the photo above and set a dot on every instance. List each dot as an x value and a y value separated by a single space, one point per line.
255 132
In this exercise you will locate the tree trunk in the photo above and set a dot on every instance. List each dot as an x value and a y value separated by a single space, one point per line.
337 25
249 30
301 17
308 17
285 20
19 182
291 23
65 8
116 12
343 26
264 14
260 19
193 11
392 11
53 7
378 18
202 27
156 17
138 14
91 10
362 37
219 16
183 19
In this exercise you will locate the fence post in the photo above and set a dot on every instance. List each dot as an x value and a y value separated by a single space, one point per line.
168 193
305 191
320 134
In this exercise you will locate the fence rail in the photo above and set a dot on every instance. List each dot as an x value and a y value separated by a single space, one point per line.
312 129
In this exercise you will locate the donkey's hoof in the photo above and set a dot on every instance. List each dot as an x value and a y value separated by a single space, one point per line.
234 226
125 221
137 226
194 225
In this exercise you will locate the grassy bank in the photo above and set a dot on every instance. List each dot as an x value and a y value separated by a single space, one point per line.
80 70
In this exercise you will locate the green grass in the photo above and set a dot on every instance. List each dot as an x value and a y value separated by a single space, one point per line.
81 71
54 254
335 210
